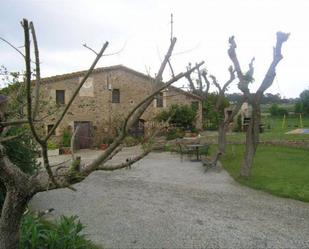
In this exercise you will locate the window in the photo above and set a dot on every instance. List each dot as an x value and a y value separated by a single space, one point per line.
49 128
194 105
60 95
115 96
160 100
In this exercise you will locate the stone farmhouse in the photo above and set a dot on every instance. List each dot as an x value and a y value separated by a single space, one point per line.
105 99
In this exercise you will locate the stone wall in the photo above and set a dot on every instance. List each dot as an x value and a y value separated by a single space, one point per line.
94 102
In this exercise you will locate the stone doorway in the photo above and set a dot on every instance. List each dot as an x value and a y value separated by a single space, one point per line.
83 136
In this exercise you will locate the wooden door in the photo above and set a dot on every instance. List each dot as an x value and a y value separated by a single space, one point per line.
83 135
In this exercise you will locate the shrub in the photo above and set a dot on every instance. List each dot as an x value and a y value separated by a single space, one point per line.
302 106
64 234
238 126
174 133
275 110
51 145
212 117
66 138
21 152
180 115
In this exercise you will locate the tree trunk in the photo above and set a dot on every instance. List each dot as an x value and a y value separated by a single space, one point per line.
12 212
252 140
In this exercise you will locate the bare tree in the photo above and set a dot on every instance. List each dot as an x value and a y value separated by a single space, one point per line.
20 187
225 121
201 88
252 135
202 84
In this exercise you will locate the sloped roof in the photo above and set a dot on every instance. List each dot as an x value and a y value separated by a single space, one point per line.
107 69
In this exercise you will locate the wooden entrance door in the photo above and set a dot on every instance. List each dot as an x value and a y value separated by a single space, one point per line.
83 135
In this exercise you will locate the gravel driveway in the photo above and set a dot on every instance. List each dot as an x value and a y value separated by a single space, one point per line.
165 203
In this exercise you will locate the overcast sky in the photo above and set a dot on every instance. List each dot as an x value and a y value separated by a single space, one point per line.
142 29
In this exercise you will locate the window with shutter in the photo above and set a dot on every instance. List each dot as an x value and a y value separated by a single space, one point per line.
115 96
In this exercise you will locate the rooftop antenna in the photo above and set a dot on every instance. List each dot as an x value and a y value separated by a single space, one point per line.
169 62
172 22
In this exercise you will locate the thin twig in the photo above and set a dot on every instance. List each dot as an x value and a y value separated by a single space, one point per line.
12 46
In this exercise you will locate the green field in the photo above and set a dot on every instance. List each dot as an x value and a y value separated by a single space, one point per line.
275 129
281 171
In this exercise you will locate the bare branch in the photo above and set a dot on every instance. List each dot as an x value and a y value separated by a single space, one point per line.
114 153
12 46
215 82
232 77
104 55
242 85
170 65
37 72
28 81
91 49
204 75
9 138
125 164
166 59
29 101
117 52
14 122
10 174
277 57
191 84
200 80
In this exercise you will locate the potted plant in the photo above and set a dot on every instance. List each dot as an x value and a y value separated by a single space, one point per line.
52 149
66 142
106 142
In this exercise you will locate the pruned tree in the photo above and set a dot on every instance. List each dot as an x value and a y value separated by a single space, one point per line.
223 123
252 135
202 87
20 187
202 84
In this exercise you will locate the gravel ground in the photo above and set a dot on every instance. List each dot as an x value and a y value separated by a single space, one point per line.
165 203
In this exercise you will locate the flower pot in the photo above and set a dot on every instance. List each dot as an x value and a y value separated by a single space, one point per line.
65 150
103 146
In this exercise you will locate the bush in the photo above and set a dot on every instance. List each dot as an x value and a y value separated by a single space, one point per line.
238 127
21 152
181 116
174 133
303 103
64 234
212 117
275 110
66 138
51 145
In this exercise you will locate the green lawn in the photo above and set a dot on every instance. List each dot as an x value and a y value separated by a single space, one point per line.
273 130
281 171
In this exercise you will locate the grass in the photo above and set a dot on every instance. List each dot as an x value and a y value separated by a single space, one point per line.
273 130
281 171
